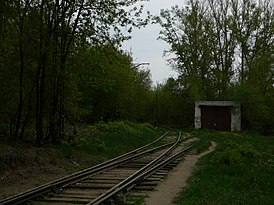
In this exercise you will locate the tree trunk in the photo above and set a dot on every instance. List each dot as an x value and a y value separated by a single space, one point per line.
53 110
21 76
28 115
40 75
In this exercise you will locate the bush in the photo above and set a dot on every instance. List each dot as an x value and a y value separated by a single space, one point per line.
91 146
106 140
125 127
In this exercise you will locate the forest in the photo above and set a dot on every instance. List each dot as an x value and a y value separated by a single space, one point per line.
62 65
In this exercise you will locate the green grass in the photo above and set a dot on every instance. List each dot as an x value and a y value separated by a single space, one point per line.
104 141
240 171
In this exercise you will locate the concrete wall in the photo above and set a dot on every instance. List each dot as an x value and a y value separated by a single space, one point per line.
235 112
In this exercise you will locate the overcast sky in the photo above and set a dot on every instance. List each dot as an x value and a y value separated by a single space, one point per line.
146 48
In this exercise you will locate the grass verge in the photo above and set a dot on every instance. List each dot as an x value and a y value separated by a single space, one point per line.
239 171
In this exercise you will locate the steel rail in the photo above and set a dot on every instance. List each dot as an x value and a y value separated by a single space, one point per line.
103 197
154 169
133 182
40 190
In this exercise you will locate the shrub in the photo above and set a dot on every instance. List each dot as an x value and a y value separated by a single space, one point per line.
118 127
90 146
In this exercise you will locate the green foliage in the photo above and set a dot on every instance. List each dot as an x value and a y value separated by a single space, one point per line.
257 109
224 47
239 171
116 127
231 152
62 59
172 108
91 146
106 140
83 145
108 87
202 145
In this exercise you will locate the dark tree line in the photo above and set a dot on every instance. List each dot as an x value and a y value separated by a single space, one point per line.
60 62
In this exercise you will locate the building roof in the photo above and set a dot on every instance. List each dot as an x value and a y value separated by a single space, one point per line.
217 103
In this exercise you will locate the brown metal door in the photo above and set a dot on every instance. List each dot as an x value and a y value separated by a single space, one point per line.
216 118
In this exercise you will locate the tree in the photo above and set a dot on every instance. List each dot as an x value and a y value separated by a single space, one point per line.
57 29
222 47
253 26
224 44
172 107
108 86
185 31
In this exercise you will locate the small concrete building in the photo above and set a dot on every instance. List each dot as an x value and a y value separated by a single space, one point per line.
218 115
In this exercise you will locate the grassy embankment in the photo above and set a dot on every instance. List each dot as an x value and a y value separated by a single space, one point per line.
24 163
239 171
103 141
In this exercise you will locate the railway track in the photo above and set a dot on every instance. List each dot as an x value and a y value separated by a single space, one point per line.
139 169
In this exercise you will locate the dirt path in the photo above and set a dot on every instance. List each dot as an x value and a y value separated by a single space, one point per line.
176 180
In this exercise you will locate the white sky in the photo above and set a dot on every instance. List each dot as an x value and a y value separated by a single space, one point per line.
146 48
